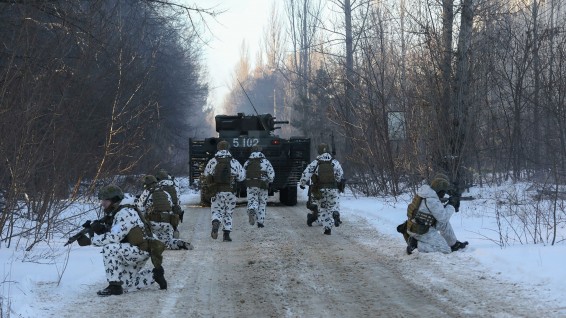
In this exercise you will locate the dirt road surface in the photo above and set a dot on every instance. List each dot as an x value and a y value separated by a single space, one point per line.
288 269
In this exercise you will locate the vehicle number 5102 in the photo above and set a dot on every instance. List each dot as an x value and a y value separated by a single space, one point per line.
244 142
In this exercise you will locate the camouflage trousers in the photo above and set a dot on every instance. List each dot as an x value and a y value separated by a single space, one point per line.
222 206
257 201
164 232
124 262
327 204
439 238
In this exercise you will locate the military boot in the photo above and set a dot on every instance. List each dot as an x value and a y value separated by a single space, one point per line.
259 224
327 231
114 288
336 217
159 277
251 216
458 246
226 237
412 244
215 226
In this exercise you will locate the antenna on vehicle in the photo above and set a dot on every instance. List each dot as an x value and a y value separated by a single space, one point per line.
261 121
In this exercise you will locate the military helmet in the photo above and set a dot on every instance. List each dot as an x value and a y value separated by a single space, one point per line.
256 148
440 184
110 192
441 175
322 148
223 145
161 175
149 180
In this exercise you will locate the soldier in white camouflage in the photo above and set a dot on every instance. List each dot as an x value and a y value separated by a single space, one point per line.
259 176
166 182
325 174
222 172
124 246
156 204
428 223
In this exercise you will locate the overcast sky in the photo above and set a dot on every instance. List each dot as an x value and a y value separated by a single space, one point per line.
243 20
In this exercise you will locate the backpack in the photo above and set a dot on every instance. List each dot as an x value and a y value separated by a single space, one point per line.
160 201
418 222
255 177
325 176
223 171
223 175
170 188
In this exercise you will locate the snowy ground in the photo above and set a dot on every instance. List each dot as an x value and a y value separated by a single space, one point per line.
52 279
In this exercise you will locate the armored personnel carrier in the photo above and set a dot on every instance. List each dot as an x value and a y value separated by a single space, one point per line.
289 157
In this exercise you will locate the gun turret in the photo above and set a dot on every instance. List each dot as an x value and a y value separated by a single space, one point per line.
239 125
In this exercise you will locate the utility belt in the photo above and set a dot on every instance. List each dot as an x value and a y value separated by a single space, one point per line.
164 217
257 182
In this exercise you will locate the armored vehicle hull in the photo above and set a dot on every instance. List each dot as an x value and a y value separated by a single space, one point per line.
289 157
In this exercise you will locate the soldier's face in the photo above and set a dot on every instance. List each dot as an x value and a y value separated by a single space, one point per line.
105 204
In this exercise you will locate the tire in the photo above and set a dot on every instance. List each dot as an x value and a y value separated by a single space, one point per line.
288 195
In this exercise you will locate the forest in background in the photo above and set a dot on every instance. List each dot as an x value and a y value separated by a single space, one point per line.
90 90
409 88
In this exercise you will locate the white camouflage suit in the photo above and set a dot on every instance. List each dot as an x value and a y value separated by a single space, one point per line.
441 236
329 202
124 262
224 203
162 230
257 197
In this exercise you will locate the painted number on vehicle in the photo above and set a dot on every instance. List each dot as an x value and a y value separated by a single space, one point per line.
244 142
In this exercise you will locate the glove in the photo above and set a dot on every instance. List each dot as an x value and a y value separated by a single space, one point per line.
302 186
86 225
98 227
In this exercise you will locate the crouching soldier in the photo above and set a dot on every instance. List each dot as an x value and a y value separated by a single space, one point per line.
127 243
428 225
168 183
157 205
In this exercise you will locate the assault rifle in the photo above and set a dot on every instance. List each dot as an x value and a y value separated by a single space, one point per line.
454 198
90 228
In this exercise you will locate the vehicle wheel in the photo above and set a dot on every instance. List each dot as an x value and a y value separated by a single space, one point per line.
288 195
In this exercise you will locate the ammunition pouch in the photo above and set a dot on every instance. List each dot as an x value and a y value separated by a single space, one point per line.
421 223
416 228
424 218
135 236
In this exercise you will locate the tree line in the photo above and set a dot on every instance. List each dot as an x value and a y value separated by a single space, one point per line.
411 88
90 90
